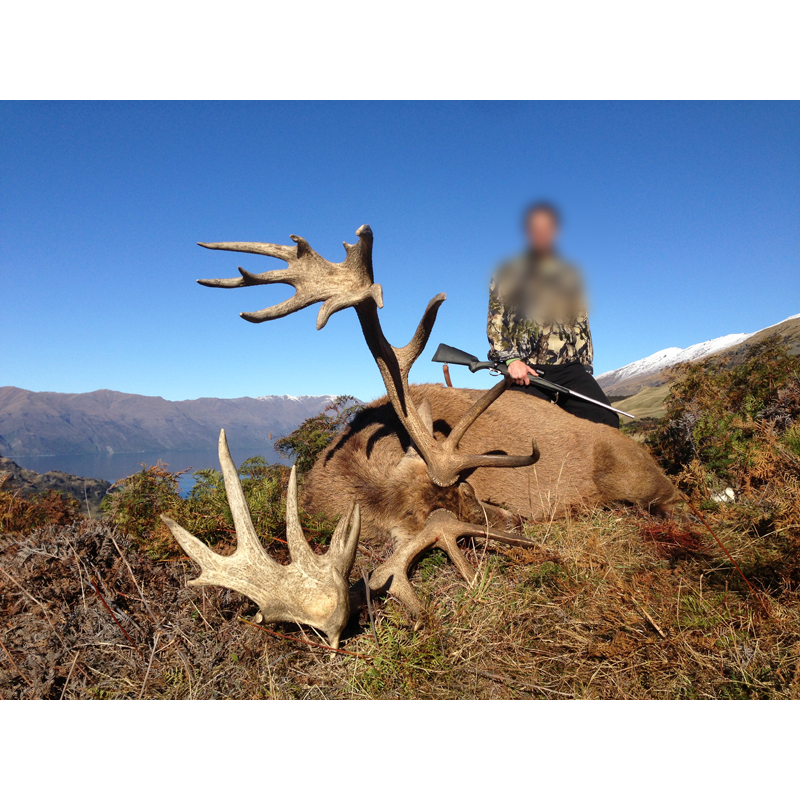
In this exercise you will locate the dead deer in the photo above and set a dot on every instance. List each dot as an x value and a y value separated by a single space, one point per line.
427 466
582 465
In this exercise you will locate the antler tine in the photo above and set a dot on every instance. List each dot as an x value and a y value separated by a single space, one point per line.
248 279
275 312
406 356
282 251
215 570
246 536
426 414
342 549
483 402
442 531
467 461
299 548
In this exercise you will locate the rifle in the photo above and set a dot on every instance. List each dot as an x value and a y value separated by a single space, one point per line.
452 355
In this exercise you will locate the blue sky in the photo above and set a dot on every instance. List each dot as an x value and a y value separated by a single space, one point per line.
684 216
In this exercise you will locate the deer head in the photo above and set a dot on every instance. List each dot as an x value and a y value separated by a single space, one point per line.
351 284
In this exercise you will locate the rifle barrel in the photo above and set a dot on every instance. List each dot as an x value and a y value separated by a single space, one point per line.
598 403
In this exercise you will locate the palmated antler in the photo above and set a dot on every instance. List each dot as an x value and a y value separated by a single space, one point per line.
316 280
442 530
312 590
350 283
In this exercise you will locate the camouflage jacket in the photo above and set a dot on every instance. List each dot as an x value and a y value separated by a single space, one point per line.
537 312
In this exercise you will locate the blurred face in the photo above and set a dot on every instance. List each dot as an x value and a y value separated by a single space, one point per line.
542 231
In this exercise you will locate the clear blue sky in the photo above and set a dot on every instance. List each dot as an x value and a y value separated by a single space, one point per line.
684 216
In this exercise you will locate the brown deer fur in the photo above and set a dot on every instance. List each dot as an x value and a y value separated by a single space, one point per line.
582 464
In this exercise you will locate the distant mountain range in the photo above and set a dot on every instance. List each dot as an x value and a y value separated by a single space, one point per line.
653 371
52 423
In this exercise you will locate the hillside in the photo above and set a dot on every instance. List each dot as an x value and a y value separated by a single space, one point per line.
52 423
653 370
647 403
25 482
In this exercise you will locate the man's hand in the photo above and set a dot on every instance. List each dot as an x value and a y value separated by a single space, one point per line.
519 371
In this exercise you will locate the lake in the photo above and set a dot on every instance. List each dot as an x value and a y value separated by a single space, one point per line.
112 467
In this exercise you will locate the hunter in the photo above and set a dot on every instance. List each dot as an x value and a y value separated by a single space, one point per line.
538 320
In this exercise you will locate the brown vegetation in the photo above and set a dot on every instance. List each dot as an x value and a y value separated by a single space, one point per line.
607 607
18 513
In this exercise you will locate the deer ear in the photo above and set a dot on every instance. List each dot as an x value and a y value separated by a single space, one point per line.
470 508
426 415
409 459
412 454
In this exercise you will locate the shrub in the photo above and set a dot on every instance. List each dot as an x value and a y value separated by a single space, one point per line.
135 504
23 514
315 434
737 425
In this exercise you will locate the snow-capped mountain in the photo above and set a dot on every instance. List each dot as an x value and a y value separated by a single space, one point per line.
303 398
632 375
671 356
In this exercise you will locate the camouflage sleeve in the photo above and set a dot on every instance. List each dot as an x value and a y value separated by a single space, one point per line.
499 327
583 343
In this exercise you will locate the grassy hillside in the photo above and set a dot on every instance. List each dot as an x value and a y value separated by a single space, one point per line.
647 403
650 401
612 605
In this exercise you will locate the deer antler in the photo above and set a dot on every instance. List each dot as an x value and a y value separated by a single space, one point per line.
350 283
316 280
312 590
442 530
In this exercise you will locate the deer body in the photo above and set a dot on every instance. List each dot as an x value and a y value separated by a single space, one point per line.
582 464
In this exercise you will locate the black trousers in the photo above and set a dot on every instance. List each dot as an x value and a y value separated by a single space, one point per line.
573 376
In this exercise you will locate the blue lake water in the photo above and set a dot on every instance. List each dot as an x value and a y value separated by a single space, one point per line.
119 465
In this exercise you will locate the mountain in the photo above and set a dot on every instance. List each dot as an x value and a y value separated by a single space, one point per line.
52 423
87 491
653 370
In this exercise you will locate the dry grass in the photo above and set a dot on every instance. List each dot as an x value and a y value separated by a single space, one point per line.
612 605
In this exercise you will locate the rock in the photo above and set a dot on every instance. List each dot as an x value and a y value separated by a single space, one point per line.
726 496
